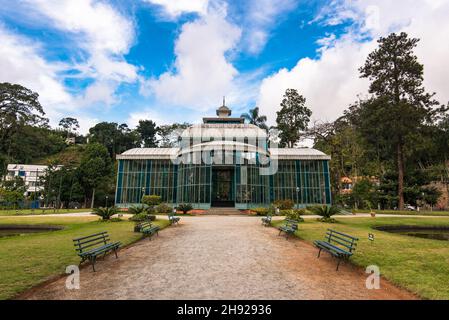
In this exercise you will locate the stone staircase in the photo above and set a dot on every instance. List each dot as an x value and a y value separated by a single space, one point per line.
224 212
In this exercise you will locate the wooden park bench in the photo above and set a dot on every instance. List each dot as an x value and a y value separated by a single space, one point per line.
173 219
289 227
339 245
147 229
266 221
90 247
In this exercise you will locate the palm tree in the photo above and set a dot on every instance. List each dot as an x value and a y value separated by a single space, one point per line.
254 118
105 213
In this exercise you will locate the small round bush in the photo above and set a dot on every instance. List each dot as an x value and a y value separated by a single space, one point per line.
185 207
164 208
151 200
284 204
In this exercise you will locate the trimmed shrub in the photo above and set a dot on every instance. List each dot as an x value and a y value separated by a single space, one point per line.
284 204
140 217
185 207
164 208
151 200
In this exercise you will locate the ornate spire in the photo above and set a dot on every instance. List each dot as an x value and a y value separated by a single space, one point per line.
223 111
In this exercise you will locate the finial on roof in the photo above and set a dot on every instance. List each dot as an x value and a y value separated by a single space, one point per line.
223 111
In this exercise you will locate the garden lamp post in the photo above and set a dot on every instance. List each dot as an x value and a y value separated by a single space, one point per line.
297 197
107 197
143 192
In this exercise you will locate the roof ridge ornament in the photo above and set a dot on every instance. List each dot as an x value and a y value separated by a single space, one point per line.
224 111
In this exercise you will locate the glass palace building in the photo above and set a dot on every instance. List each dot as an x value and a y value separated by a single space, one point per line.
224 163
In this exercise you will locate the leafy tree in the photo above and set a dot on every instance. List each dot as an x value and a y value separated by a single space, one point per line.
116 138
69 125
254 117
400 105
293 118
430 195
169 135
19 107
16 184
95 169
11 196
147 131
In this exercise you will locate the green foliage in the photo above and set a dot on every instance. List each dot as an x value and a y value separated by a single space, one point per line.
185 207
143 216
170 134
294 214
293 118
116 138
147 131
137 210
284 204
105 213
397 113
326 212
69 124
95 168
11 196
151 200
19 108
260 211
164 208
254 117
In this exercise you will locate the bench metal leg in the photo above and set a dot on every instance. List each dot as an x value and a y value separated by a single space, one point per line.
319 253
338 264
115 251
93 260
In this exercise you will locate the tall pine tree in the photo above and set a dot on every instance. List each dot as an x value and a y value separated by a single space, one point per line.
400 105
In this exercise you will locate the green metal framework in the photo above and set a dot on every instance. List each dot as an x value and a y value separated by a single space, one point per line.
306 182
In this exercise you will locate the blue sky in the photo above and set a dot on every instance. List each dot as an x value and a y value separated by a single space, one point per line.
173 60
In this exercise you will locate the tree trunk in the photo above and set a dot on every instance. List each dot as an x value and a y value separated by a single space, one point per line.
400 156
93 199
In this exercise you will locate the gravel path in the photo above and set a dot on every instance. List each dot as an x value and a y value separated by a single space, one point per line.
228 257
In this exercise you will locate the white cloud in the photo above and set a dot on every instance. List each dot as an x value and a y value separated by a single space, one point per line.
174 8
101 31
21 62
201 73
331 82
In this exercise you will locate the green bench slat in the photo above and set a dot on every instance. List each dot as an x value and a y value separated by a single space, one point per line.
101 250
84 246
329 244
92 235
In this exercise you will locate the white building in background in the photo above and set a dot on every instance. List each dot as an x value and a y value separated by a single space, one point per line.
31 175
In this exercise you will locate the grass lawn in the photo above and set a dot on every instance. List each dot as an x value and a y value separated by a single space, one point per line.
26 261
419 265
11 212
408 213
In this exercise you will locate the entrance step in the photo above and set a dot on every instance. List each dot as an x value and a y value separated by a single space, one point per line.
224 212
